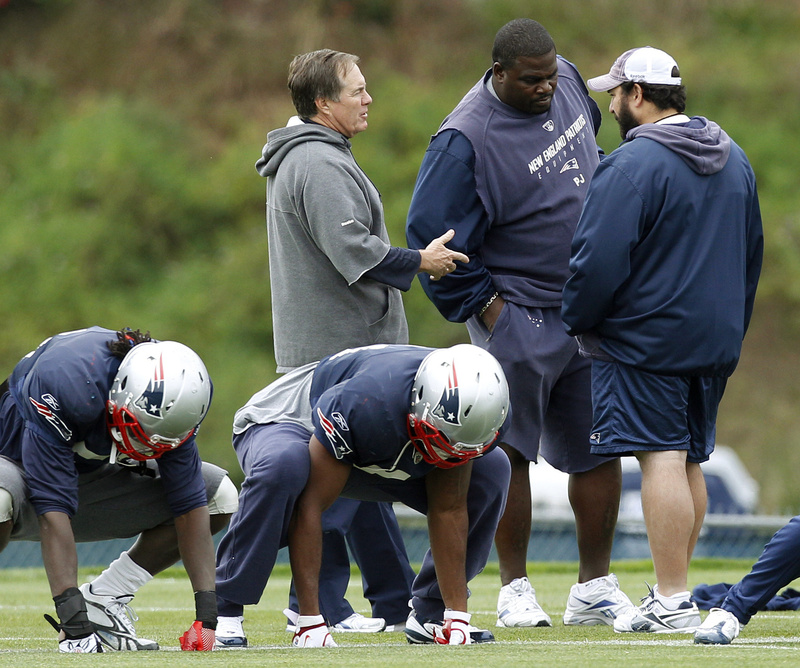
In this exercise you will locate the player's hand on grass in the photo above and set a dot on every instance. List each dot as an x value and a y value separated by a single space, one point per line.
87 645
455 630
75 632
312 631
199 638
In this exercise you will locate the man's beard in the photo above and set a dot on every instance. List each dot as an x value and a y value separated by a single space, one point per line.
625 119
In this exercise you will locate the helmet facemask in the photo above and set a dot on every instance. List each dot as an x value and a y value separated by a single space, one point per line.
131 440
436 448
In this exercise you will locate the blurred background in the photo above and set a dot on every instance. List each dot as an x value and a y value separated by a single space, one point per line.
130 128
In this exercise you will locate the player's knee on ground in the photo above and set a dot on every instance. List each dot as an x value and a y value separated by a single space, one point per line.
6 515
223 504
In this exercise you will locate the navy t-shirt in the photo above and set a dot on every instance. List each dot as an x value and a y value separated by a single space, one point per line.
360 401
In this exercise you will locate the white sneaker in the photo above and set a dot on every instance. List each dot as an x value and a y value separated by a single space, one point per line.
719 628
229 633
601 604
113 618
357 623
653 617
517 606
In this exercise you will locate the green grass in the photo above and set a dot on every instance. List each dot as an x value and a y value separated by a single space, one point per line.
165 610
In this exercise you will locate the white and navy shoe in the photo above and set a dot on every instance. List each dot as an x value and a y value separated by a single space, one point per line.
421 631
719 628
597 602
358 623
517 606
229 633
113 618
653 617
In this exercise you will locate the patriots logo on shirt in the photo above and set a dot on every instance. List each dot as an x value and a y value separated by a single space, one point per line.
338 444
449 406
570 164
151 400
48 414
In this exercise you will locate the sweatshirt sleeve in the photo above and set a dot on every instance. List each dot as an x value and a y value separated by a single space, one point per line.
609 228
755 253
397 269
445 196
344 221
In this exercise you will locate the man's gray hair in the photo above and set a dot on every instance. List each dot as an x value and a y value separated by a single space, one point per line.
318 74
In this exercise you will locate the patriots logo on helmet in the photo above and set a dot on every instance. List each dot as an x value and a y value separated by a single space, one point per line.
449 406
151 401
339 445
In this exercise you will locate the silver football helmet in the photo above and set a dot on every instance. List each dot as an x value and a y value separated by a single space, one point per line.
158 398
459 401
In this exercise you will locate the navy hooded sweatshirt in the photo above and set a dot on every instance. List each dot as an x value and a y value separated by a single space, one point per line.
667 253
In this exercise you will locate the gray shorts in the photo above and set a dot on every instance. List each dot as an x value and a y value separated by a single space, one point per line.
113 502
549 384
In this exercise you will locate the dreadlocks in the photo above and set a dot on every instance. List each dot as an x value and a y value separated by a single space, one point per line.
127 339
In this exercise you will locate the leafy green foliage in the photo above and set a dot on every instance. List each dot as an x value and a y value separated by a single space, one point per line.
131 130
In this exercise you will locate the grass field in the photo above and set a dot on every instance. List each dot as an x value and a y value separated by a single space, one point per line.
165 610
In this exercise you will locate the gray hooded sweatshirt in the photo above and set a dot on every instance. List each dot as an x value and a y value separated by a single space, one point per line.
325 229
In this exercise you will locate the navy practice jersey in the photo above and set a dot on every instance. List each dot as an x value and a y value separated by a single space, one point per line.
360 401
60 390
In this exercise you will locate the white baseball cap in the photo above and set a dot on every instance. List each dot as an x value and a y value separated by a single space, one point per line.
641 65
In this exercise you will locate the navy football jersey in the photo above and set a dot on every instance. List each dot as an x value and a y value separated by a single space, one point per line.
60 390
360 400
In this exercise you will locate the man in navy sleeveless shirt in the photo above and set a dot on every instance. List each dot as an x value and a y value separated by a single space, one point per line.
508 171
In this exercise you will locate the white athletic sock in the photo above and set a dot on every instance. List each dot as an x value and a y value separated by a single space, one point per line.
123 577
672 602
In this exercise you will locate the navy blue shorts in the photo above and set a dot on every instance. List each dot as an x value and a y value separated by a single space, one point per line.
638 411
549 384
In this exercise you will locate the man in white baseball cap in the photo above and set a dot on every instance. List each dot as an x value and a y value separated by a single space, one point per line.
664 267
641 65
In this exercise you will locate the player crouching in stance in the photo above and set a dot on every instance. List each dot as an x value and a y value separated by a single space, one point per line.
418 426
381 423
97 441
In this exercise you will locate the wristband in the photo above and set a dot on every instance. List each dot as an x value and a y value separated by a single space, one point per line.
488 304
205 605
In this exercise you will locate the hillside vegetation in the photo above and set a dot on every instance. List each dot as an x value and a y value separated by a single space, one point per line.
130 130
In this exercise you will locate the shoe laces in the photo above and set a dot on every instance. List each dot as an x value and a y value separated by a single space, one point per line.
120 609
520 596
649 598
520 587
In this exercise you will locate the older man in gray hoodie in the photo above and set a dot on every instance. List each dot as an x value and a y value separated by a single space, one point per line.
336 282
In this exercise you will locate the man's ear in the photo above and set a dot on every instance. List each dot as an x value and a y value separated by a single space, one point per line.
322 105
498 72
636 96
